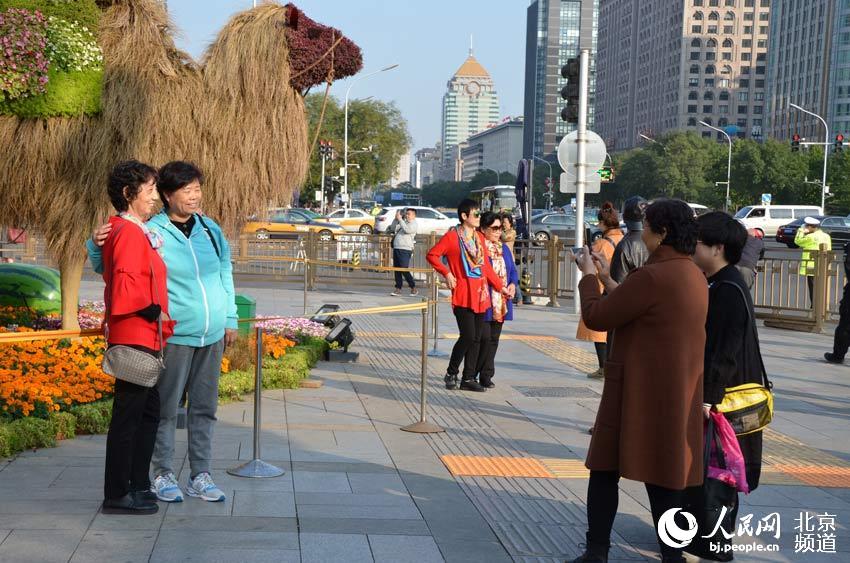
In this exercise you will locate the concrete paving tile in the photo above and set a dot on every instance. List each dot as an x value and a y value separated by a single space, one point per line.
354 499
226 482
225 555
343 467
312 482
74 522
3 534
472 551
381 512
50 506
376 483
66 461
122 545
231 523
177 540
25 492
108 522
341 456
251 503
197 507
401 549
363 526
268 450
44 546
30 477
327 548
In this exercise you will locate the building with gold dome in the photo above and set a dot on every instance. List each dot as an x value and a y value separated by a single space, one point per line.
470 104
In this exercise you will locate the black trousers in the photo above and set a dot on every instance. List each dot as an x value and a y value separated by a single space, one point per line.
401 259
601 352
810 282
602 501
842 332
487 351
470 325
131 438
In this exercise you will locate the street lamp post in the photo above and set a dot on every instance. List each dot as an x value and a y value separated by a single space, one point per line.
345 149
728 162
825 153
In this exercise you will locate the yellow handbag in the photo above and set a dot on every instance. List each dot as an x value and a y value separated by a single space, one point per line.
749 407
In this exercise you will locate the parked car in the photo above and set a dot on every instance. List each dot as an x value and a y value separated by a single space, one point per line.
352 220
838 228
766 218
289 223
308 212
544 227
428 220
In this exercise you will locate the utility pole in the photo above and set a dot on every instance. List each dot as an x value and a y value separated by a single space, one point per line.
581 164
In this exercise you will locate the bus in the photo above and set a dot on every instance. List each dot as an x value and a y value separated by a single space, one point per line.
496 198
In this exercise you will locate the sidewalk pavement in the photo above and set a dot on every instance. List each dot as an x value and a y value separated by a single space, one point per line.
504 482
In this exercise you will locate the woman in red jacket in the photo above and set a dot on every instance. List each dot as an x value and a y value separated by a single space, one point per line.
467 276
135 297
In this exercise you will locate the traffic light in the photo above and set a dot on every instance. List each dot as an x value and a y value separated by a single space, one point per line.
795 142
839 143
325 149
606 174
329 184
570 91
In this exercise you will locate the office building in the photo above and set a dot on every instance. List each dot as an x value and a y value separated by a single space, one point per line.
555 31
402 171
809 65
469 105
669 64
497 148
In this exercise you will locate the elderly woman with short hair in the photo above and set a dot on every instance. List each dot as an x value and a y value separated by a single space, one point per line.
649 426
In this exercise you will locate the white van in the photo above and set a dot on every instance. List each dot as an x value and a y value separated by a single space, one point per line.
768 218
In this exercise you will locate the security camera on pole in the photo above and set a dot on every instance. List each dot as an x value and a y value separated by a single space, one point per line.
580 149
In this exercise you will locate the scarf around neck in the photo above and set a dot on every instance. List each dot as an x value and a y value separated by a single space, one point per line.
155 239
471 254
497 258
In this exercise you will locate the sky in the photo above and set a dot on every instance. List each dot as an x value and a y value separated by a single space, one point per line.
428 40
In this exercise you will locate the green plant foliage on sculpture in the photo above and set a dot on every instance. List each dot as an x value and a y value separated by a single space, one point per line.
59 70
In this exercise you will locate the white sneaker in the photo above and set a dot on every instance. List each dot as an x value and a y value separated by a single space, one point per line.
202 486
396 293
167 489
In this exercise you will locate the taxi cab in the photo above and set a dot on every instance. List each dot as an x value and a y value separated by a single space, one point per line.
290 223
353 220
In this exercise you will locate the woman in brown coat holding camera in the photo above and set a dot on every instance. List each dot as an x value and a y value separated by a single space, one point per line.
649 426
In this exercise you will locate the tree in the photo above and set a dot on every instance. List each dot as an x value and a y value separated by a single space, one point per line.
370 123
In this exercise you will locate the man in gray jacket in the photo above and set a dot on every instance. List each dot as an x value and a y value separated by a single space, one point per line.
404 237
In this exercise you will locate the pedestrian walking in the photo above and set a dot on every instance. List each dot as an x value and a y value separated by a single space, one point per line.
841 340
467 276
649 426
403 230
501 306
810 237
136 300
200 290
631 252
750 256
609 222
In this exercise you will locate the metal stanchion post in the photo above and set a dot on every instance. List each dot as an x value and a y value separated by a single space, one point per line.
435 296
257 467
423 426
306 277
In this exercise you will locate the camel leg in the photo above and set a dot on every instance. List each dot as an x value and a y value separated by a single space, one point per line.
71 270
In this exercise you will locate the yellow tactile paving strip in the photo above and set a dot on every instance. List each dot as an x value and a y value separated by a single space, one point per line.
566 468
579 358
452 336
484 466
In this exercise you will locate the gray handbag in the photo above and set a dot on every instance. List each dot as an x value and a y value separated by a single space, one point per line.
129 364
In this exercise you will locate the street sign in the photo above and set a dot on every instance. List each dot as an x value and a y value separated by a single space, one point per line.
594 155
342 171
396 196
592 184
318 195
766 199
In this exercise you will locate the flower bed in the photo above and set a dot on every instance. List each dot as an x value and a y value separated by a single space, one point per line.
56 389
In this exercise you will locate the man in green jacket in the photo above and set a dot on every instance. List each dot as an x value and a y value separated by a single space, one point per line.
810 237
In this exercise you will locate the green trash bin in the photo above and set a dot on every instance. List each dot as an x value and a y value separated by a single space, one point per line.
246 308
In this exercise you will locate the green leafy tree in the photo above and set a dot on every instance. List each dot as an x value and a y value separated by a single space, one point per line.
370 123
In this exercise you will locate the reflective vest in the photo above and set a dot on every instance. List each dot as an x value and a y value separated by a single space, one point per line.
810 242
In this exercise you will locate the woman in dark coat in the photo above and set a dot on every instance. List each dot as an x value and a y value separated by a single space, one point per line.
649 426
731 346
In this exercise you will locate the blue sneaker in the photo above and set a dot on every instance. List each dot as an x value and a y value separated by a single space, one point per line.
202 486
167 489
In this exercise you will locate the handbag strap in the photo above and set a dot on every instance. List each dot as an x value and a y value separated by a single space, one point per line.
108 299
752 322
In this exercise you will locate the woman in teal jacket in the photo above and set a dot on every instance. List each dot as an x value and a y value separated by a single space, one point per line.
203 304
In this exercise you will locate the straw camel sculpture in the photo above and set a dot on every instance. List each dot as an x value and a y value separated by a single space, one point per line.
239 115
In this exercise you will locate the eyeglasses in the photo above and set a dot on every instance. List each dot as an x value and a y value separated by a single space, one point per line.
496 228
476 213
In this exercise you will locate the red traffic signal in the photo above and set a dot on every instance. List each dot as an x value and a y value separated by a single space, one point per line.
795 142
839 142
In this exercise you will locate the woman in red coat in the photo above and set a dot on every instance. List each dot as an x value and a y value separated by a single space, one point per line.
135 297
467 276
